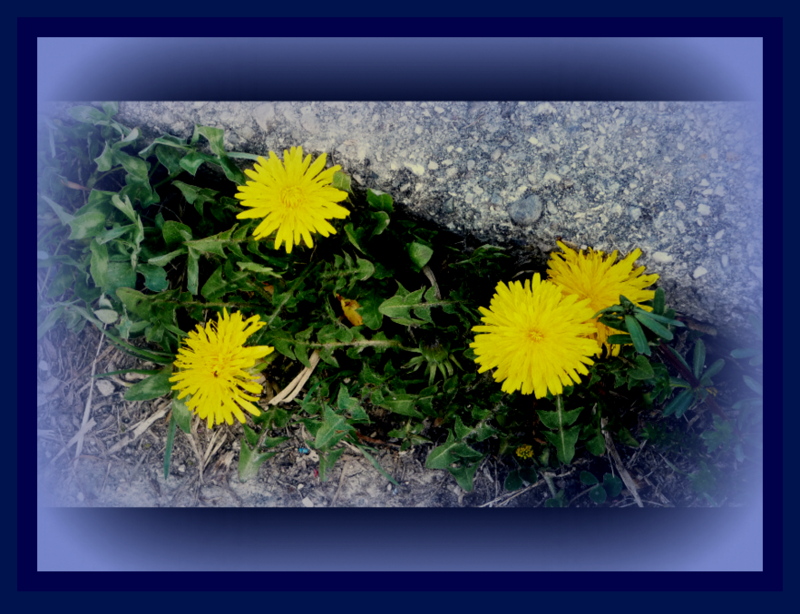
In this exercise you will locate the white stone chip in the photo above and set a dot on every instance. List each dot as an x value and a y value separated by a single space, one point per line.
417 169
704 209
661 257
699 272
307 502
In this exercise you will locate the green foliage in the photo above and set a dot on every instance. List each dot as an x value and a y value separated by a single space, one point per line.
141 240
609 488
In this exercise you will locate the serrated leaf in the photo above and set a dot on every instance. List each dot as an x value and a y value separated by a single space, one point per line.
151 387
333 429
564 441
403 404
250 461
558 419
465 475
155 277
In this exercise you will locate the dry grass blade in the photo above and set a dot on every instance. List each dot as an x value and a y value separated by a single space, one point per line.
87 410
623 472
140 428
296 385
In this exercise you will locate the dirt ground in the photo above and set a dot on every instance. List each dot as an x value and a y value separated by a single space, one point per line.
97 450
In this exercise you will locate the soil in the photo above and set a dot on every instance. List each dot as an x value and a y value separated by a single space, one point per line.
117 459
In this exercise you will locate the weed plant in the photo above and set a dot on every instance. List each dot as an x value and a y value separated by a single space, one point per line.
371 327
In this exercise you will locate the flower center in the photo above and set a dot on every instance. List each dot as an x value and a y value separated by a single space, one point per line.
291 197
535 335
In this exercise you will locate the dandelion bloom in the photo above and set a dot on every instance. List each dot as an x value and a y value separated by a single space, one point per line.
600 278
538 338
215 368
294 197
525 451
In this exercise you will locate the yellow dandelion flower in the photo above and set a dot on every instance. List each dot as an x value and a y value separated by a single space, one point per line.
215 368
538 338
525 451
600 278
294 197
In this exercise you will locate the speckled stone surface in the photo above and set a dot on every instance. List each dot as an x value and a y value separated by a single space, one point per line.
680 180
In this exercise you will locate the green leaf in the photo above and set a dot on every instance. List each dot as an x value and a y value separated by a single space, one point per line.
192 161
753 385
377 465
63 216
598 494
98 265
715 368
443 456
612 485
403 404
659 302
637 335
420 254
155 277
182 414
192 271
588 479
698 358
381 202
333 429
250 461
87 225
654 326
513 480
558 419
643 370
596 444
86 114
381 222
328 460
151 387
679 404
175 232
564 441
341 181
106 316
465 475
626 438
215 286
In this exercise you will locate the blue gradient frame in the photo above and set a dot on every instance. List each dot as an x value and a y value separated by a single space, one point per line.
409 549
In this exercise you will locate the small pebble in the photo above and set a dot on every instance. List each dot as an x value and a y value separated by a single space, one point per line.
704 209
307 502
699 272
526 211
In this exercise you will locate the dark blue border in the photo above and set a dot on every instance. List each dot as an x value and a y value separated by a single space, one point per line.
125 532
